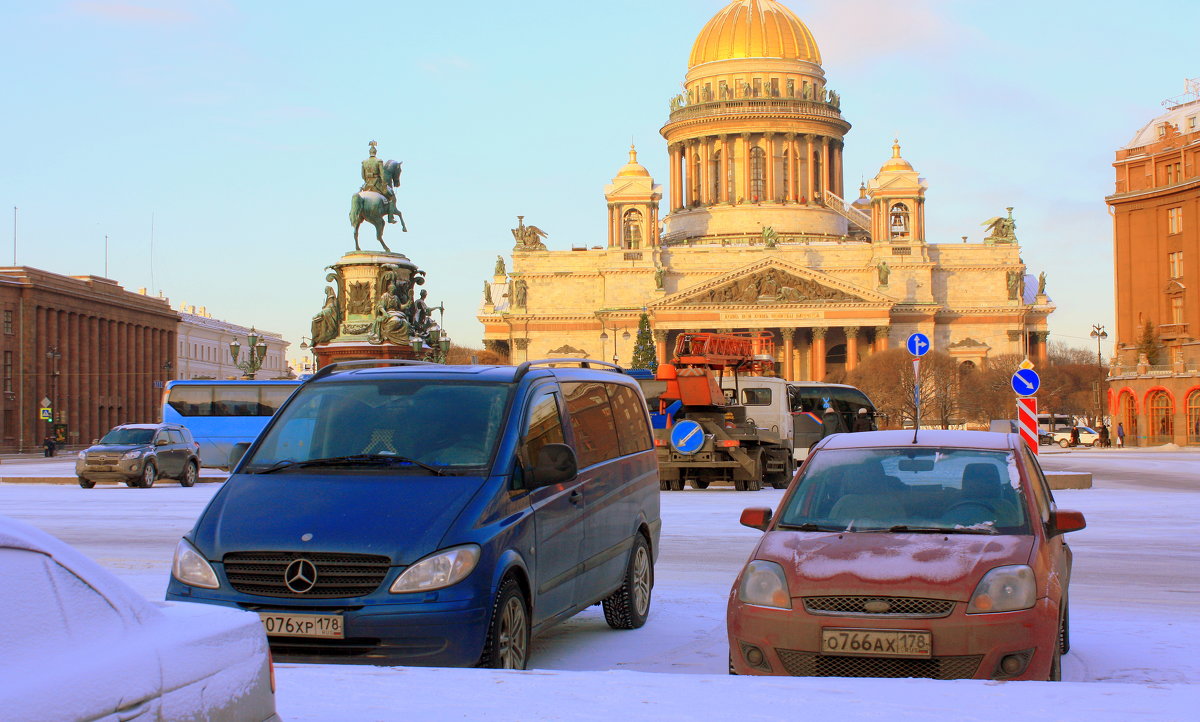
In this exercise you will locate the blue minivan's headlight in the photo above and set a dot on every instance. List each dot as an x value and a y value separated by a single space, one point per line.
190 567
439 570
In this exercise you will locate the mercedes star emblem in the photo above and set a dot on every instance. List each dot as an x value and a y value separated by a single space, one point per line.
300 576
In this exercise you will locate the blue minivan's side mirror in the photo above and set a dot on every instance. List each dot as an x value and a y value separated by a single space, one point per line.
237 452
555 464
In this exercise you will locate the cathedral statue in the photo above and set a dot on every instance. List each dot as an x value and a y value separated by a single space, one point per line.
487 292
520 293
528 237
885 272
1003 230
1042 283
375 200
499 269
1016 285
769 236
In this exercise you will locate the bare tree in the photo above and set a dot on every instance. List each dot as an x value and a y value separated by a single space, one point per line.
887 377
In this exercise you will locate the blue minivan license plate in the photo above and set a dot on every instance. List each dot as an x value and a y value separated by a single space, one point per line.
321 626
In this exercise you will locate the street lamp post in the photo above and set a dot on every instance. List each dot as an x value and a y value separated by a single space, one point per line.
53 355
256 351
437 351
305 344
1099 334
604 338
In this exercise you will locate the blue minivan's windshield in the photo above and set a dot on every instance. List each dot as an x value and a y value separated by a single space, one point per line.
921 489
431 422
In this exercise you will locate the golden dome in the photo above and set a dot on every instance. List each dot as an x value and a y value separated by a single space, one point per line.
754 29
896 162
633 168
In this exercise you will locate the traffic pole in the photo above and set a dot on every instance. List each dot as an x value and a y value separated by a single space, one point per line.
1027 424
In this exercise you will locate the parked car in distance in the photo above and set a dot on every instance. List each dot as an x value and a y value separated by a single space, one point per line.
83 645
422 514
942 558
1087 437
139 455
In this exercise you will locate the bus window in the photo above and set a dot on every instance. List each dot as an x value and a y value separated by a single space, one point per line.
191 400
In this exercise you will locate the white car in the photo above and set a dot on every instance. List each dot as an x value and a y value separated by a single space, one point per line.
1087 437
80 644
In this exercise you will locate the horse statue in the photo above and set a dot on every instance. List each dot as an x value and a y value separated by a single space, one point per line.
374 207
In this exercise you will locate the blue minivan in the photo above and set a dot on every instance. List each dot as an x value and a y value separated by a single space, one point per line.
419 514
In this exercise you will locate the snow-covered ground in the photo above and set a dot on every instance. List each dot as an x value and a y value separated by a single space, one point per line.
1135 617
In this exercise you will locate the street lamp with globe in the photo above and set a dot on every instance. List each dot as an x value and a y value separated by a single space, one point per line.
604 337
1099 334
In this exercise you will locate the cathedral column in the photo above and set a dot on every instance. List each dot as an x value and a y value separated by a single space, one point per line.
789 349
676 181
769 143
1040 339
809 175
794 168
851 348
818 353
660 345
826 173
706 154
743 191
837 170
881 338
727 150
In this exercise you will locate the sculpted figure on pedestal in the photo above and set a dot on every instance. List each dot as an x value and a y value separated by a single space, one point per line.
375 201
325 323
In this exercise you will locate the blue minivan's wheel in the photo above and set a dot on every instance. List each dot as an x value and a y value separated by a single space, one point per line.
507 645
629 606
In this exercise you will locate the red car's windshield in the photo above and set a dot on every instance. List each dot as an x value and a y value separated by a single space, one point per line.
909 490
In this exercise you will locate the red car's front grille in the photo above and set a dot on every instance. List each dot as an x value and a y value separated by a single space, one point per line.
807 664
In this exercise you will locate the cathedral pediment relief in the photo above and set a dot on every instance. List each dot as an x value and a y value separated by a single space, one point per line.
772 283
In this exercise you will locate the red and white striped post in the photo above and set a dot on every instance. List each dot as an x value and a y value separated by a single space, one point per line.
1027 421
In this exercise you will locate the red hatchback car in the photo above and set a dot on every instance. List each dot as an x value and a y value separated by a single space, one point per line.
940 558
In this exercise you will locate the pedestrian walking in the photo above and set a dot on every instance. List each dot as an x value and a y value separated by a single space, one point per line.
1074 436
48 446
862 420
1120 434
1104 440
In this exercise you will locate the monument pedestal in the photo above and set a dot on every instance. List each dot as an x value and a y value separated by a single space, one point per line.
366 317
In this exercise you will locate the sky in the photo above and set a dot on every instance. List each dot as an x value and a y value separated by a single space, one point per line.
217 143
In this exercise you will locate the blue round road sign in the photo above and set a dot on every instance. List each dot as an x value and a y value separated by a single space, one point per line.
687 437
918 344
1026 382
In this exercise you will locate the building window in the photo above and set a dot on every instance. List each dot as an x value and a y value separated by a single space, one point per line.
714 177
1191 122
1175 264
631 224
1160 411
1175 220
1193 418
774 87
758 173
757 87
8 371
8 322
898 220
1177 309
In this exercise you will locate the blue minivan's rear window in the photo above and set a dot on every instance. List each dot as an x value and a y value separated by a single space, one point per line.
445 424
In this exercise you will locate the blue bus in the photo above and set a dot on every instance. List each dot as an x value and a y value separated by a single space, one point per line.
222 413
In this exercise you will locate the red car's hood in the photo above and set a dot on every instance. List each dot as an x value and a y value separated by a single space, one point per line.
939 566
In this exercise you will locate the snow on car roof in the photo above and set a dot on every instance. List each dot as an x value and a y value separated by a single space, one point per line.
19 535
925 438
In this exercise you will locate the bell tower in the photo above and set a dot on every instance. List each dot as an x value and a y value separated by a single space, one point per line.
633 207
897 202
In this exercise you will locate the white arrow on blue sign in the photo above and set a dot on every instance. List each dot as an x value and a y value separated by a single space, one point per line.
1026 382
687 437
918 344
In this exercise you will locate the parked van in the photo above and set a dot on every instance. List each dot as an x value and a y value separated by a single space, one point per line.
422 514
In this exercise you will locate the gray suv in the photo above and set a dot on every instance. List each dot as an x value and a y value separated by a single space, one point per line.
139 455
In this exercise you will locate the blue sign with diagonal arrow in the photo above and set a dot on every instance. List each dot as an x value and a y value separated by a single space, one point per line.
687 437
1026 382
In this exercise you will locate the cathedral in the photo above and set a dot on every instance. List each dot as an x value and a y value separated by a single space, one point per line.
758 235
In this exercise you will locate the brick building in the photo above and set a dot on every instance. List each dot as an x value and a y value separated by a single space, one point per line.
1154 381
98 352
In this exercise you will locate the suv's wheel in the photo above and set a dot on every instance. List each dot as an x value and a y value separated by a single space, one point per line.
85 483
189 475
149 475
507 644
629 606
1064 443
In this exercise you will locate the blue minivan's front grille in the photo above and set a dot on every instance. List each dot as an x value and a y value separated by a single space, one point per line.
301 575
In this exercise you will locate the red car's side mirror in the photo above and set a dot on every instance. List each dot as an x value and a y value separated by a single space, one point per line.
756 518
1065 520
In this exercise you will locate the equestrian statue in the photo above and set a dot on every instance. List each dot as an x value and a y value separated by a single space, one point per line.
375 200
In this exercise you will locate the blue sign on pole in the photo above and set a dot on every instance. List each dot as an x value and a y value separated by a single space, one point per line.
918 344
1026 382
687 437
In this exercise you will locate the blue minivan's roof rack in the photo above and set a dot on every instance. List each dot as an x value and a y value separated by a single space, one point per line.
586 363
368 362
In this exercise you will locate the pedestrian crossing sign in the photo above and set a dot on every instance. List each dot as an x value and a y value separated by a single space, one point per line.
46 413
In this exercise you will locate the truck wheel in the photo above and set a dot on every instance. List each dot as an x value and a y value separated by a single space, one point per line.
677 484
698 483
